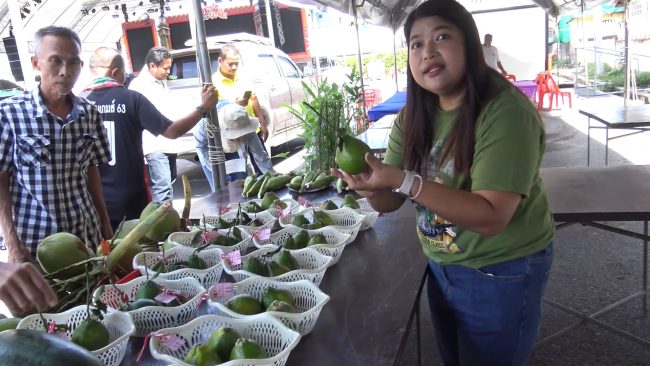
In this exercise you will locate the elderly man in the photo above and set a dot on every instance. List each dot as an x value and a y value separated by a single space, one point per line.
51 143
126 114
152 83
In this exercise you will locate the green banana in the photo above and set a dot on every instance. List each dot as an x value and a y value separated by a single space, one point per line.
307 179
295 187
248 183
264 186
256 187
296 180
321 182
277 182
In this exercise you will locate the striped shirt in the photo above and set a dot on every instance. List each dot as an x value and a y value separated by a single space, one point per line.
47 160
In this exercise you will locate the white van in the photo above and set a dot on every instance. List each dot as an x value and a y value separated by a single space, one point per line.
275 79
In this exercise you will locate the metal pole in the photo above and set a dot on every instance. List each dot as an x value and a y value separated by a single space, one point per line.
356 26
392 23
269 21
214 144
626 87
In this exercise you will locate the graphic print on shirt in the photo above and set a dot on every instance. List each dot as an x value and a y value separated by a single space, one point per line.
110 131
434 229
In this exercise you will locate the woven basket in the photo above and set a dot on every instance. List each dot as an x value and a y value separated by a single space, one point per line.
186 238
346 220
364 209
336 240
207 277
312 266
266 218
151 318
276 339
309 301
293 205
120 328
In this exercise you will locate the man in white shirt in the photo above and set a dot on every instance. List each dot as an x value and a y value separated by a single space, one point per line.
152 83
491 55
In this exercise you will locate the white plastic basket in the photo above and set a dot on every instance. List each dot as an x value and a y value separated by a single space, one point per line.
186 238
309 301
312 266
364 209
120 328
266 218
336 240
292 204
346 220
151 318
207 277
276 339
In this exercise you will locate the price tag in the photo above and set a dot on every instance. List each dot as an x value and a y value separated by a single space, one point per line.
209 236
262 234
304 202
165 297
233 257
172 342
222 291
223 209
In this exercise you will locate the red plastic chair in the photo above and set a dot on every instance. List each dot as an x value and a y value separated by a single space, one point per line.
547 85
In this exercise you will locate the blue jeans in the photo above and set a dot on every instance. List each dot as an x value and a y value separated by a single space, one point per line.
490 315
160 177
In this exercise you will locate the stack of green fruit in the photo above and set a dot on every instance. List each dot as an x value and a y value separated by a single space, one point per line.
302 240
225 344
231 237
281 263
146 296
270 200
320 219
311 181
348 201
258 186
272 299
241 218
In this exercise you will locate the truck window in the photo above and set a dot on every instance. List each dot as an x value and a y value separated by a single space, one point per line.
288 68
185 67
264 66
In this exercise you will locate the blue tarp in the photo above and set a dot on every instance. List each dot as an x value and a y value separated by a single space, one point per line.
392 105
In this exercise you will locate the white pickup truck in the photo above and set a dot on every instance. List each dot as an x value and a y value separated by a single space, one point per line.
275 79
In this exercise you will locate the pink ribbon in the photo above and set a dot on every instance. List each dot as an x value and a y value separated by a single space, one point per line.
283 211
262 234
223 209
170 341
209 236
203 299
305 203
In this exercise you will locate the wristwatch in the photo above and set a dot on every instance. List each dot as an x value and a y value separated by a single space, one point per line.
405 188
202 110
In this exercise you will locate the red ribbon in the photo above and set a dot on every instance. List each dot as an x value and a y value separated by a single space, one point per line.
223 209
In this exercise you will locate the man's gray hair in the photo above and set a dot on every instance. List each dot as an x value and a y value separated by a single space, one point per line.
229 49
157 55
54 31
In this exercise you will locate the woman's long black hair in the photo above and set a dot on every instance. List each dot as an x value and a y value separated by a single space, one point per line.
419 114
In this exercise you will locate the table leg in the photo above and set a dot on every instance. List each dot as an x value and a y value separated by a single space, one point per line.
645 269
606 145
588 137
419 333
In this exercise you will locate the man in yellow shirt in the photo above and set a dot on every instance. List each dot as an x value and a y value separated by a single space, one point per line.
229 87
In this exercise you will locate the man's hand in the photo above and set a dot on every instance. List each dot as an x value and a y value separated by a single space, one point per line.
18 253
264 130
22 288
241 101
209 97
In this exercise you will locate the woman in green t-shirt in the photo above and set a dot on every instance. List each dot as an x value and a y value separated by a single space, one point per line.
466 149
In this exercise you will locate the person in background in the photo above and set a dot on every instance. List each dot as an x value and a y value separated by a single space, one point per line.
152 83
466 150
22 287
126 114
491 55
51 143
232 87
238 137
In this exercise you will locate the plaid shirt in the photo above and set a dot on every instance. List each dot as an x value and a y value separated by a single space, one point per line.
47 160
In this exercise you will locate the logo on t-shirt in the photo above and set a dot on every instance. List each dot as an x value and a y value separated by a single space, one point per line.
432 228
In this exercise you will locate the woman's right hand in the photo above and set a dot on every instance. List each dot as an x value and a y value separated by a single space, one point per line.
378 177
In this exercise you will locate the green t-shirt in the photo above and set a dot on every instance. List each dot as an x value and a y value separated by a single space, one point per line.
509 144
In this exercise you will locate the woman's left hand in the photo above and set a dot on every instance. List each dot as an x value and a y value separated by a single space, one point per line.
377 177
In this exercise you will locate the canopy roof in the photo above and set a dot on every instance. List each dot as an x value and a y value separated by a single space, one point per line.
98 21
